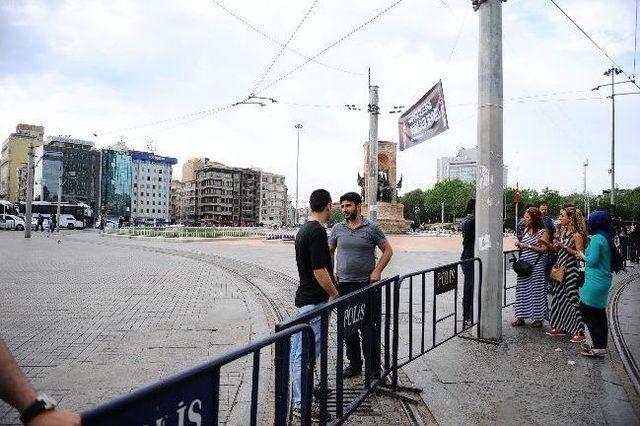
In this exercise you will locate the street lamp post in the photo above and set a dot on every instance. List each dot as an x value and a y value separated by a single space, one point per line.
298 128
586 197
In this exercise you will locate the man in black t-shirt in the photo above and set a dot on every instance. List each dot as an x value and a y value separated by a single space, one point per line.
468 252
316 280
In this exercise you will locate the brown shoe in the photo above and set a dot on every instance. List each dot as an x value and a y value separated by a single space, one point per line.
518 323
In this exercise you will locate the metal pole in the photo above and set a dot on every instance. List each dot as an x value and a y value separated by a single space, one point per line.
489 184
29 200
442 212
296 215
372 178
59 198
586 199
515 225
613 139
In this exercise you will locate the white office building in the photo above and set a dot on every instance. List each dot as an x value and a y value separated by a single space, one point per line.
273 200
151 185
463 166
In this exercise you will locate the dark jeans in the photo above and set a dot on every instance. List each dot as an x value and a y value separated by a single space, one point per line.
596 321
467 294
39 225
354 351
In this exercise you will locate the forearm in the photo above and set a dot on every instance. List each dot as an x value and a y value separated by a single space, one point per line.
15 388
384 260
325 281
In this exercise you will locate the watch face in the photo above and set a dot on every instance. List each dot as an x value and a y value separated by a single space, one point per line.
49 403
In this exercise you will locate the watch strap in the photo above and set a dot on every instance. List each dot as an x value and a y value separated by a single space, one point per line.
42 403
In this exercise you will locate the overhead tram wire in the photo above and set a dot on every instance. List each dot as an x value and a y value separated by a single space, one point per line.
332 45
632 79
275 59
275 41
635 41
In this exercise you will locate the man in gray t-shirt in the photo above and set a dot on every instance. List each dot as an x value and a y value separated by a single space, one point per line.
354 243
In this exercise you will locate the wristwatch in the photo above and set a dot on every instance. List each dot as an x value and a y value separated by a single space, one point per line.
42 403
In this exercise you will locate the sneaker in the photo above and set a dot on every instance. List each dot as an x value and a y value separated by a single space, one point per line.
315 413
467 323
352 371
578 338
585 346
594 353
555 332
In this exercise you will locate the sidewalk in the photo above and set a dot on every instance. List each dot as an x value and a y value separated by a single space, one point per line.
624 317
529 378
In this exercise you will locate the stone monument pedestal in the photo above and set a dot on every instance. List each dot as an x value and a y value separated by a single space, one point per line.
390 217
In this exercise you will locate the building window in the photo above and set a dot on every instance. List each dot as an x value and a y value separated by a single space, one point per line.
148 177
142 194
160 179
154 187
134 210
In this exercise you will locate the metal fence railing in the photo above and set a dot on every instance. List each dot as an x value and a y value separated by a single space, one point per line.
203 232
509 277
446 294
360 310
194 394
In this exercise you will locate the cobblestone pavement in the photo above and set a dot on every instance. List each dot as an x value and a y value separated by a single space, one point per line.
88 323
141 309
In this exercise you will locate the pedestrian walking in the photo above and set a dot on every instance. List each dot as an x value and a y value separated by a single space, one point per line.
601 259
316 287
531 292
354 242
468 252
40 223
565 301
54 223
36 409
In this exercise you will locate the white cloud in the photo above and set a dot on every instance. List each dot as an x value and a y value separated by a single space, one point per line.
111 65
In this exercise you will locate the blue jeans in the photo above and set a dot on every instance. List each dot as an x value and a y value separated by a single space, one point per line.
296 353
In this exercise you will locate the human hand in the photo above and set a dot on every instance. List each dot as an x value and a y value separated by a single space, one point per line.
56 418
374 277
580 255
518 244
333 296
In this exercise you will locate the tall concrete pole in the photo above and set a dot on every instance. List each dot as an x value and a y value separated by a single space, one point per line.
613 138
372 177
489 183
59 198
298 127
29 200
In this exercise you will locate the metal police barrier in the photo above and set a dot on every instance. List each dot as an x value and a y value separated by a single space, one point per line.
192 397
445 290
361 310
509 276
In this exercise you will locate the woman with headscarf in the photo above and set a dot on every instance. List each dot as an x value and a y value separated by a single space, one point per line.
601 259
531 290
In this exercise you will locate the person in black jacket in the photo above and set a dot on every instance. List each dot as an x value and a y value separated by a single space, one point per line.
468 252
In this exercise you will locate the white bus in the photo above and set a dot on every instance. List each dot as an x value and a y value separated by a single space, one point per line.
80 211
6 207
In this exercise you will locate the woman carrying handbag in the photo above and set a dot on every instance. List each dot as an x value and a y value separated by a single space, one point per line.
531 288
565 300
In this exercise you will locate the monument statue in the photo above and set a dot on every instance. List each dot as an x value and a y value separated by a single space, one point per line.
390 214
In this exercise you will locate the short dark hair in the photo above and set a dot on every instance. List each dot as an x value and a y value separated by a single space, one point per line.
354 197
319 200
471 206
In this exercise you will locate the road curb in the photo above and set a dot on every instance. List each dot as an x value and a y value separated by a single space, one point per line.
621 357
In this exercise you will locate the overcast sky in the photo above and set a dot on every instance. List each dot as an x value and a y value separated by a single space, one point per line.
112 67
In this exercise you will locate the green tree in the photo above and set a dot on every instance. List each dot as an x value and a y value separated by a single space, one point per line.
335 217
628 205
413 202
454 193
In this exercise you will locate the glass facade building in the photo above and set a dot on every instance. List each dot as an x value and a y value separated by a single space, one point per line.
77 162
116 186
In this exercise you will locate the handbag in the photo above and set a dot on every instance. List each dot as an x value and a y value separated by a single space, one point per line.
580 274
557 273
522 268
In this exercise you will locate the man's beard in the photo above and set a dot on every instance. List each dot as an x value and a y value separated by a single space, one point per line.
352 216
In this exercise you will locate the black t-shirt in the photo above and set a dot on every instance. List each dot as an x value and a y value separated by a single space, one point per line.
312 252
468 237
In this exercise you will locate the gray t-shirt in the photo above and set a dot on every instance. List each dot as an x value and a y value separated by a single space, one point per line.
355 249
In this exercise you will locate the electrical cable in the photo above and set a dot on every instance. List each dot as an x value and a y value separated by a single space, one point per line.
275 41
594 43
264 74
635 42
332 45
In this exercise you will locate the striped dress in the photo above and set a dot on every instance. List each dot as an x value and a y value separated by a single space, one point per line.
565 300
531 291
